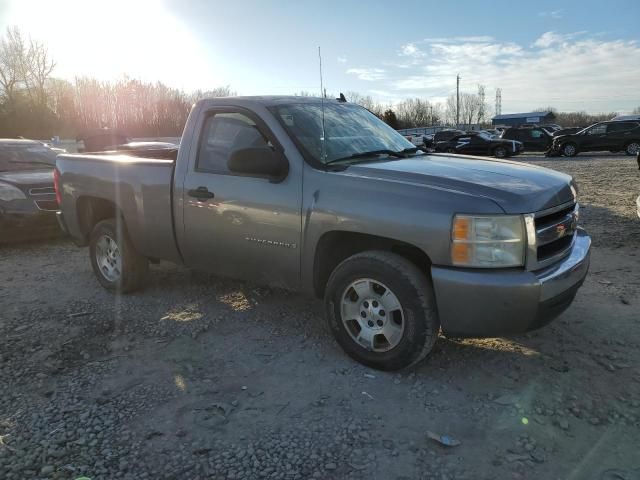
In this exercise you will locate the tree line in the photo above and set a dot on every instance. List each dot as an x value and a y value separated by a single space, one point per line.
36 104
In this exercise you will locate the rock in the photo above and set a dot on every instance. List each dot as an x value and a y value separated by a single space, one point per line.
47 470
538 456
330 466
506 400
516 457
563 423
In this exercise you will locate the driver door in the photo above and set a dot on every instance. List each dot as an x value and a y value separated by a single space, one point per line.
240 226
595 138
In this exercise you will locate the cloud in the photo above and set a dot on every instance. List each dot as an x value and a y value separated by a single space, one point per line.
555 14
368 74
410 50
472 39
342 59
550 38
566 70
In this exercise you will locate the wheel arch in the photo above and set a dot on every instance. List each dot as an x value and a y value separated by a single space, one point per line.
335 246
92 210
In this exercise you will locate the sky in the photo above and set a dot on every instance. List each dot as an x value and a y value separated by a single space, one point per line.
572 55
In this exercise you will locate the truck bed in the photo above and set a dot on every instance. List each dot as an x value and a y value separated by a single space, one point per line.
140 188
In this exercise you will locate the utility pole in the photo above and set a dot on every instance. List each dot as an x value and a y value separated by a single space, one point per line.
498 101
457 100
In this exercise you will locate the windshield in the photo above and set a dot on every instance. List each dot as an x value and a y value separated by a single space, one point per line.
14 158
350 130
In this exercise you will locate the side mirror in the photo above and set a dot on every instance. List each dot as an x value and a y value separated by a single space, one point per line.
259 162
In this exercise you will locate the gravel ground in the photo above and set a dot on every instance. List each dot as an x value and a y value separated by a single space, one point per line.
199 377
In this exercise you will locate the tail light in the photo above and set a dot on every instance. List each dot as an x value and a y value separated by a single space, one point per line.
56 185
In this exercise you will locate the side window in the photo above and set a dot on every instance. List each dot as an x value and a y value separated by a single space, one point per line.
620 127
223 133
598 129
535 134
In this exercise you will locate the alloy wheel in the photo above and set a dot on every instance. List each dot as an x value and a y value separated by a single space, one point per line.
372 315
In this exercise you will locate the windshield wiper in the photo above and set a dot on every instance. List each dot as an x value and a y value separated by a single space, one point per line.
392 153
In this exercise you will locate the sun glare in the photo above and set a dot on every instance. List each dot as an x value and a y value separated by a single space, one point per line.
106 40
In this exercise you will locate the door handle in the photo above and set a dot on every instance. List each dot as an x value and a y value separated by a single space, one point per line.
201 193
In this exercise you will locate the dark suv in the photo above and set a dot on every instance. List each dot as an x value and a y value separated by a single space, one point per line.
535 139
613 136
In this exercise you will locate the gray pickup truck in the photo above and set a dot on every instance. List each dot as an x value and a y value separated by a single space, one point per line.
322 197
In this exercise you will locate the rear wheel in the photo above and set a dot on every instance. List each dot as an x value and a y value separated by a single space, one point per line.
115 262
632 148
569 150
500 152
381 310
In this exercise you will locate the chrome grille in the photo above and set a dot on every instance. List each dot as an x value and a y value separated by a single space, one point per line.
47 205
42 191
551 235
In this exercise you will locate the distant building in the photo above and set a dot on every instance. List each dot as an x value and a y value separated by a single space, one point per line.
515 119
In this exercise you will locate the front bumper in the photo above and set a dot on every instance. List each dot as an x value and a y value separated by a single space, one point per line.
480 303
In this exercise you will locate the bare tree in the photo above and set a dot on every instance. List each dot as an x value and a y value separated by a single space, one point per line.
40 67
12 58
367 102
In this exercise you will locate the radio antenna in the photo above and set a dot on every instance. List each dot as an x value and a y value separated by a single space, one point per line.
322 95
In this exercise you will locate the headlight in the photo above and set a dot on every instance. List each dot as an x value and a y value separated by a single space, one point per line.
9 192
488 241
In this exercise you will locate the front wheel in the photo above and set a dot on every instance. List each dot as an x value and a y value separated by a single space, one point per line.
569 150
381 309
500 152
633 148
115 261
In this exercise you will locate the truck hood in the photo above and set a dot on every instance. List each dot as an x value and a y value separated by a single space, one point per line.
514 186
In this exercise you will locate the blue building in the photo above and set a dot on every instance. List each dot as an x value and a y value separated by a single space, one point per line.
516 119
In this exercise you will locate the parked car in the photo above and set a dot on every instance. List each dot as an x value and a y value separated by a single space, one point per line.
399 243
480 144
534 139
612 136
27 197
417 139
444 135
494 132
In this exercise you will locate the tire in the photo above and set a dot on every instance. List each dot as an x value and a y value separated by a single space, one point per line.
500 152
414 325
632 148
125 269
569 149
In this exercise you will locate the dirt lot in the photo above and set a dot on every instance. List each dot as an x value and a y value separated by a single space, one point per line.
199 377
